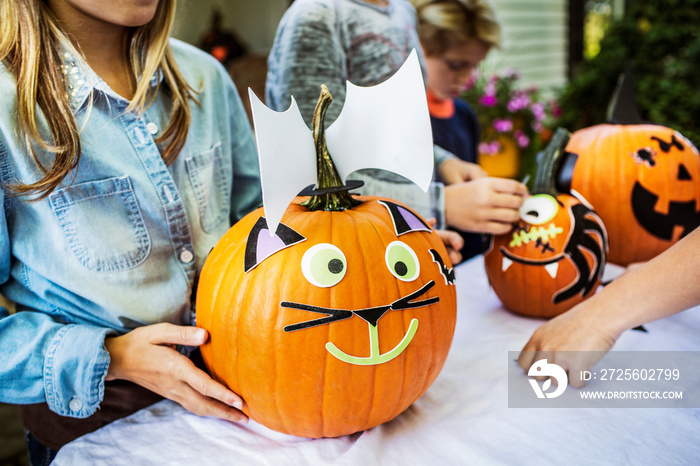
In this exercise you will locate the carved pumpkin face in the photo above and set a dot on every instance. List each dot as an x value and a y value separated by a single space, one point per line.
552 259
335 324
644 182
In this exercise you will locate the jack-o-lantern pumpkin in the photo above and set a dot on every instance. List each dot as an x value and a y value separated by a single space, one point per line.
555 255
642 179
336 323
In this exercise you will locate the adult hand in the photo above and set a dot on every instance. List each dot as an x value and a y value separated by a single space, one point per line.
455 170
485 205
575 340
147 357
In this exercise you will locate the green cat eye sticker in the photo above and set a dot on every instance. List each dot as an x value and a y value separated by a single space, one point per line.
402 261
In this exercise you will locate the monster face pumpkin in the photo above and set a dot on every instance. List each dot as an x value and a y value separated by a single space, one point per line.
554 256
335 323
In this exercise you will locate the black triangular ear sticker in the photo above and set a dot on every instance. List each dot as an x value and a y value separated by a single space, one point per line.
622 109
261 245
405 220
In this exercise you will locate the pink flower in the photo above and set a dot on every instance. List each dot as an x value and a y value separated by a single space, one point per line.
502 125
488 100
556 109
489 148
538 111
521 139
518 102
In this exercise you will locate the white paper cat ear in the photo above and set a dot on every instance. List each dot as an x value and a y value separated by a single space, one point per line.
386 126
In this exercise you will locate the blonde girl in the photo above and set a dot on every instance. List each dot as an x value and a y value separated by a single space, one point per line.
124 156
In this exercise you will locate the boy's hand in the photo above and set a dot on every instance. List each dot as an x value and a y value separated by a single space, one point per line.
485 205
455 170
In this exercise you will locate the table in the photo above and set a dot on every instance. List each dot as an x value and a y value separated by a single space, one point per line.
463 418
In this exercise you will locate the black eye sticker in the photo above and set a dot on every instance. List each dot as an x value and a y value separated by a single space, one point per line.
405 221
261 244
645 156
666 146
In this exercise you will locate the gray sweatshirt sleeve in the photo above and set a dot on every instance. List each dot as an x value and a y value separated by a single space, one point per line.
305 55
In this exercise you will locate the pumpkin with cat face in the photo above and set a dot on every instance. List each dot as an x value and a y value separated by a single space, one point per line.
644 182
335 324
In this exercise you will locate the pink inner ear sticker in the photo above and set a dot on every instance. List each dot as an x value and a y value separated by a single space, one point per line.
268 245
262 245
405 221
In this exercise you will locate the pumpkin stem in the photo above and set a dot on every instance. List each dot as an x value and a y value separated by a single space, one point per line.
326 173
548 167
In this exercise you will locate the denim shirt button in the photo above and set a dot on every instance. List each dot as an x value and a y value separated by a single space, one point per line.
186 256
152 128
75 404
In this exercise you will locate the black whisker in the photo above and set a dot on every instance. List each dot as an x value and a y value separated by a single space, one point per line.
333 315
404 303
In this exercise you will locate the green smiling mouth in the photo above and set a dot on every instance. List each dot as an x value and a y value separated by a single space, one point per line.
375 356
371 316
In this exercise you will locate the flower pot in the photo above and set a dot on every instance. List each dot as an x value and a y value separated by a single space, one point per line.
505 163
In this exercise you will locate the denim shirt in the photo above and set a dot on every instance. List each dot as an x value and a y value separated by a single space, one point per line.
121 242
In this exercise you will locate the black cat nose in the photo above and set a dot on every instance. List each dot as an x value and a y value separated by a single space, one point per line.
683 173
372 315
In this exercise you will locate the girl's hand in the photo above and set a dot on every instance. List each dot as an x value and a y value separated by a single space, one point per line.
147 357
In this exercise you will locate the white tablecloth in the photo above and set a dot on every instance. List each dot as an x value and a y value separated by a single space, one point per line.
463 418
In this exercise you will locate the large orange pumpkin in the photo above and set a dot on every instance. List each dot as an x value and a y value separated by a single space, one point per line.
337 323
642 179
644 182
555 255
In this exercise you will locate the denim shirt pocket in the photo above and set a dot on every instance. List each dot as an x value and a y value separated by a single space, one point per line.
211 183
102 223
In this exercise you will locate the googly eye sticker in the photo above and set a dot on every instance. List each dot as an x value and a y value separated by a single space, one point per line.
539 209
324 265
402 261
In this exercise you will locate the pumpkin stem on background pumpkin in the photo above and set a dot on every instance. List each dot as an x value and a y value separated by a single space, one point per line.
326 173
548 167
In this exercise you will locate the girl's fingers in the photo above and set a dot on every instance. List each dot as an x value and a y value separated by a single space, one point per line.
206 386
169 334
202 405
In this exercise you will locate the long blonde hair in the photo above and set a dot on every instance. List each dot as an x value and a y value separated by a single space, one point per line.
442 23
30 39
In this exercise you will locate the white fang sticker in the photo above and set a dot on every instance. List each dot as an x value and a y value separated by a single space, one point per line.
506 263
552 269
